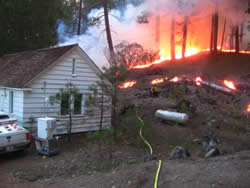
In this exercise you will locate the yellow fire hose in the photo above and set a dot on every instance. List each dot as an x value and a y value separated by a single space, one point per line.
150 149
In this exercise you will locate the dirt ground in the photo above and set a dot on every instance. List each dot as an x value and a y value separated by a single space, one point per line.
212 113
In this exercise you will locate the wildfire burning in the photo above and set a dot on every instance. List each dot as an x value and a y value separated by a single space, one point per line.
188 53
229 84
127 84
248 108
198 81
175 79
159 80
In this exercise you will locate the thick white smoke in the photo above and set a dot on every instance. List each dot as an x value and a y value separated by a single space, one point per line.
125 28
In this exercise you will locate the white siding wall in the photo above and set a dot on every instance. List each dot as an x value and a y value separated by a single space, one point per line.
56 78
17 103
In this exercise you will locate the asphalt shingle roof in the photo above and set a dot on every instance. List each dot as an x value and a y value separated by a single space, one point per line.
16 70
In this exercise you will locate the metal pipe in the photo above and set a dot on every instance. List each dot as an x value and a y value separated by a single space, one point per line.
172 116
217 87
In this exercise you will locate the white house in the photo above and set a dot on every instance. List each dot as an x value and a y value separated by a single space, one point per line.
23 77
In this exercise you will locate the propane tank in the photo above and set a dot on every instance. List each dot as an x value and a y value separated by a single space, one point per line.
172 116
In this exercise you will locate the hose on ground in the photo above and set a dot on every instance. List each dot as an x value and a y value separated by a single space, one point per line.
144 140
157 174
150 148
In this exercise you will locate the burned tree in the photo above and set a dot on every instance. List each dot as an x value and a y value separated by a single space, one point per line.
237 41
172 38
184 38
214 30
212 34
223 35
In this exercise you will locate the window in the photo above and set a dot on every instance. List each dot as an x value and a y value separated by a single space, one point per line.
78 104
74 67
11 101
65 104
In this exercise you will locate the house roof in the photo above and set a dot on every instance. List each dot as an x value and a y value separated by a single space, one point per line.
16 70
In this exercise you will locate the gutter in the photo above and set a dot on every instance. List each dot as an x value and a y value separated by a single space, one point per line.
16 89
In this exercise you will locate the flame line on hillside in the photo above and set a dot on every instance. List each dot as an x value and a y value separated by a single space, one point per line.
189 52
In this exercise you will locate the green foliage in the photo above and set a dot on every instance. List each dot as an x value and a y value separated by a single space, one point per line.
69 92
114 74
131 54
130 127
66 97
176 92
140 85
103 136
183 108
235 110
26 24
237 127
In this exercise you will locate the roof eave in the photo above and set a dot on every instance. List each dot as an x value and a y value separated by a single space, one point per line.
16 89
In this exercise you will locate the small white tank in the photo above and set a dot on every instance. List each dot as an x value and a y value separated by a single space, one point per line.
172 116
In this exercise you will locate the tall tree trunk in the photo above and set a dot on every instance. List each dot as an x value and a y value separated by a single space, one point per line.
232 39
212 35
173 38
157 31
184 38
223 35
241 33
108 31
102 104
113 64
216 28
79 19
237 42
70 126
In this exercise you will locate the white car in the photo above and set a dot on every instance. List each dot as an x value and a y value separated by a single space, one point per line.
13 138
6 119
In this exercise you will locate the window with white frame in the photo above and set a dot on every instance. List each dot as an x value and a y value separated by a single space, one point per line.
74 67
75 106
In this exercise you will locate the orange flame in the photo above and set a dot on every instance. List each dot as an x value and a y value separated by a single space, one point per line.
175 79
159 80
198 81
127 84
189 52
229 84
248 108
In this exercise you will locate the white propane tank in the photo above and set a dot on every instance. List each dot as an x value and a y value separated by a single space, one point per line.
172 116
